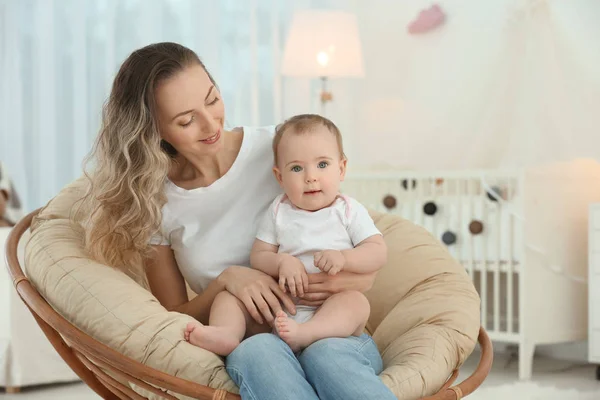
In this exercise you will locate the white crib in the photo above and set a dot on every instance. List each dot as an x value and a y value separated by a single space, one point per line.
509 229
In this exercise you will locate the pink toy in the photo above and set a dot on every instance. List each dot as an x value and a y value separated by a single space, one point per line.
427 20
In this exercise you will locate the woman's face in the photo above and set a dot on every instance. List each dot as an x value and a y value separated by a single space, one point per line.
191 112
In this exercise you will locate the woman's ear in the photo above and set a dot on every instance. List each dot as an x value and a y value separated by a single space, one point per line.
343 163
277 174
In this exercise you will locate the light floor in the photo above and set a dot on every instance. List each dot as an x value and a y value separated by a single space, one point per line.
547 371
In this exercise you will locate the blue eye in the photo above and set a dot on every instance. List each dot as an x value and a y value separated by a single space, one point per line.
296 168
323 164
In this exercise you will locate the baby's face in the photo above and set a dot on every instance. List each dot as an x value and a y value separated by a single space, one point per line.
310 168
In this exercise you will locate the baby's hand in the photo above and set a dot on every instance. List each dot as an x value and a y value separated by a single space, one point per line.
293 274
330 261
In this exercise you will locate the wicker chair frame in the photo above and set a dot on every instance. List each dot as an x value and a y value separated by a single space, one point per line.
98 365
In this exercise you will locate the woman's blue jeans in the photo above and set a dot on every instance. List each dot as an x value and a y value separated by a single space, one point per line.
264 368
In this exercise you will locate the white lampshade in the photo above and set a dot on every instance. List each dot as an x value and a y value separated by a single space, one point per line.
323 43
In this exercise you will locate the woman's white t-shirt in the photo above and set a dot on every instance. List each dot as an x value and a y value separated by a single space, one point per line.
211 228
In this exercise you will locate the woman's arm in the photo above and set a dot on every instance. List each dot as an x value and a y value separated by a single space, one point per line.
259 292
323 282
168 286
321 286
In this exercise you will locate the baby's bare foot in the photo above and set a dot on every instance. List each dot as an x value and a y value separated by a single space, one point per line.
294 334
217 339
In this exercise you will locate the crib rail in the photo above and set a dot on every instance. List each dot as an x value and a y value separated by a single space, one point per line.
470 212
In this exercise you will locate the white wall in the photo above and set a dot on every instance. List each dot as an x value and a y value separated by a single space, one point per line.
502 83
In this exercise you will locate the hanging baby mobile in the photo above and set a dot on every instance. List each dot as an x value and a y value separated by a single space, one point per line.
430 208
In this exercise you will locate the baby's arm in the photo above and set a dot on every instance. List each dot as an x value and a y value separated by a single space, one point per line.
288 269
264 257
369 253
369 256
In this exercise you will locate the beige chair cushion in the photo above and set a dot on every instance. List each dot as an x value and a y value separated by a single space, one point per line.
424 310
422 336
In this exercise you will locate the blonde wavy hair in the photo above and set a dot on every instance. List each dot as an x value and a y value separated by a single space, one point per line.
125 194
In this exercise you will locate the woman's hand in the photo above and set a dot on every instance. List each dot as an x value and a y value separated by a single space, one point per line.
259 292
322 286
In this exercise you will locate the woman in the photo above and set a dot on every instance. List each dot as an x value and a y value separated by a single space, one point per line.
173 187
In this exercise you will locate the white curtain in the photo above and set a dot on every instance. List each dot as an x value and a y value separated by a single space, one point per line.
58 59
504 83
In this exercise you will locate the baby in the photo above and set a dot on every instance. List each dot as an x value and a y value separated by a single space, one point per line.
311 228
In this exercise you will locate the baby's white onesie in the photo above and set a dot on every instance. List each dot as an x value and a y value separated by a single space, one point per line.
301 233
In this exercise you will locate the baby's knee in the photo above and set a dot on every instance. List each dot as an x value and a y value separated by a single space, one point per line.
357 301
225 297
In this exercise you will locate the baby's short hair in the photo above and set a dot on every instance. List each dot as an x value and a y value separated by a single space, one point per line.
305 123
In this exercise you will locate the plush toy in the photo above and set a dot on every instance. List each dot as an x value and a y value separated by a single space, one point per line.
10 205
427 20
3 200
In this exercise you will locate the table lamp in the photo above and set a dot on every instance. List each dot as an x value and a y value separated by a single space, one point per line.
323 44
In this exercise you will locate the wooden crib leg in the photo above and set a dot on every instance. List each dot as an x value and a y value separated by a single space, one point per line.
13 389
526 351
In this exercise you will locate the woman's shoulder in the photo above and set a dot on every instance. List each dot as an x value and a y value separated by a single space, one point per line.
266 132
259 143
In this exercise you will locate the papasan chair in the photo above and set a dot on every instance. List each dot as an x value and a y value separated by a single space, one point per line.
117 337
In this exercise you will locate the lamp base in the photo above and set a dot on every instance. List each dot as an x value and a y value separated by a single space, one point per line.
326 96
